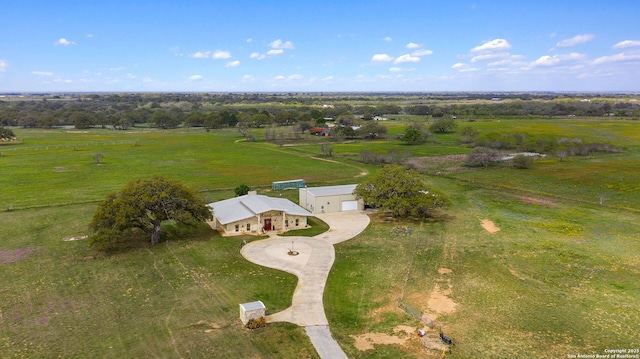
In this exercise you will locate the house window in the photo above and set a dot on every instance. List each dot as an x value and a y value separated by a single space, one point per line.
297 222
286 223
248 227
237 227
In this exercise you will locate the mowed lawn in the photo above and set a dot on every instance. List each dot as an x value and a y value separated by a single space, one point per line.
560 276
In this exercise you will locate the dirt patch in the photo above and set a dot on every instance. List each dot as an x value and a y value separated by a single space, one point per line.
14 255
440 302
444 271
489 226
439 164
60 169
515 274
402 334
538 201
205 326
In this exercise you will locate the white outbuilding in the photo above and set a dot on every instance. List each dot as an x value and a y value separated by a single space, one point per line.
330 199
251 310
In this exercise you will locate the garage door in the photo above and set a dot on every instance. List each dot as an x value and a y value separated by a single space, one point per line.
349 206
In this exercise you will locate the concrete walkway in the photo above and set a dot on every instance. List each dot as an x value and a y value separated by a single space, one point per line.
311 266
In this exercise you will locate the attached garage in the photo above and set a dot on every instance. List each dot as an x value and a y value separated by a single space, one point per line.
349 206
329 199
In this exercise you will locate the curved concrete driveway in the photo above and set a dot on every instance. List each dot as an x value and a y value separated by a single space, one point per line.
311 266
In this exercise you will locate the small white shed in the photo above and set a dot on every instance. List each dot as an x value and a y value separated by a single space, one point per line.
251 310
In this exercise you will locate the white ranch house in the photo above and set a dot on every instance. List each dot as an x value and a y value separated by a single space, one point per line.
256 214
330 199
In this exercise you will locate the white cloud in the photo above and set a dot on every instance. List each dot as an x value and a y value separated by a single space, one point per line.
131 76
546 61
489 56
626 43
90 36
219 54
576 40
406 59
622 57
328 78
3 65
195 77
387 39
556 59
235 63
395 69
201 55
249 40
413 45
422 52
275 52
493 45
64 42
257 55
279 44
42 73
461 67
381 58
295 77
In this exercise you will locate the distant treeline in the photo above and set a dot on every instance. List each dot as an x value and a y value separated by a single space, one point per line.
259 110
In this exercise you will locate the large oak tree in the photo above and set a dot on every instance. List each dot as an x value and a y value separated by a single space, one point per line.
142 205
402 192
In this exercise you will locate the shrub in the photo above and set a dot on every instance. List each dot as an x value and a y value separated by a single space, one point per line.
522 162
256 323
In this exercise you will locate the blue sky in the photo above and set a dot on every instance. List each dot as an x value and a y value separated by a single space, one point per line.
402 45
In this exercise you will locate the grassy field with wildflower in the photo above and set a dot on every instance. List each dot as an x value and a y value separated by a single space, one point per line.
556 275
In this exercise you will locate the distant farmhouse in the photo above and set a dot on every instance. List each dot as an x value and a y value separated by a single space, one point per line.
256 214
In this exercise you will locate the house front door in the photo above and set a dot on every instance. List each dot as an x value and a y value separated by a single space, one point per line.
267 224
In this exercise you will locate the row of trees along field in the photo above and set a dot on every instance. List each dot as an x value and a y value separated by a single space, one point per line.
260 110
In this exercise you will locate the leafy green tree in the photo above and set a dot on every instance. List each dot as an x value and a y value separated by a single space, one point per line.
468 134
81 119
414 134
402 192
164 120
6 133
443 125
241 190
372 130
142 205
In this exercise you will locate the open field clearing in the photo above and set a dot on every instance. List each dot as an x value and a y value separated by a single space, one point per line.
536 263
54 167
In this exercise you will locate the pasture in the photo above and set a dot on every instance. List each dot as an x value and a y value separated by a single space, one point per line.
560 276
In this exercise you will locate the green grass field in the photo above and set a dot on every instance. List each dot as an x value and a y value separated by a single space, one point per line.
560 277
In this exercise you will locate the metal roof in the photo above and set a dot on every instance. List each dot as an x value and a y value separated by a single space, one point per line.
331 190
247 206
252 306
